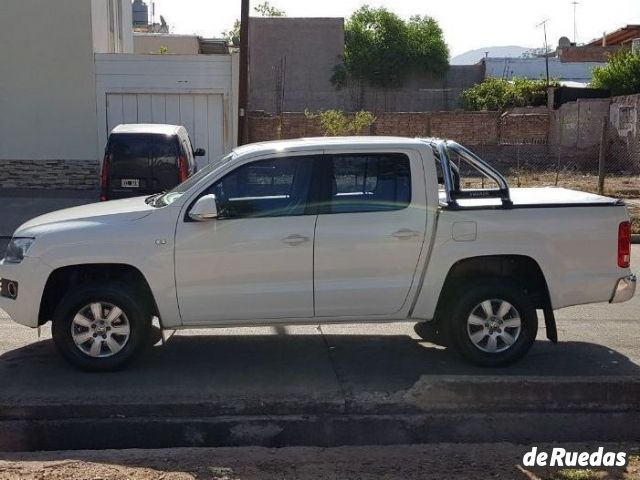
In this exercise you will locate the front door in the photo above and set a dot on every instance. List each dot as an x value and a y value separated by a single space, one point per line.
370 235
256 260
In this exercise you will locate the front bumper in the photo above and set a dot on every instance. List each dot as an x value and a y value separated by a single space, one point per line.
625 289
30 275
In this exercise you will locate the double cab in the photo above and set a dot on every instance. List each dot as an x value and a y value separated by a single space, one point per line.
322 230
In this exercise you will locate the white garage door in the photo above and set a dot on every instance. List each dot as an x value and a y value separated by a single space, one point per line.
201 114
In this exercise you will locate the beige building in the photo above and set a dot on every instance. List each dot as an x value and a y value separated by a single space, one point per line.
146 43
69 72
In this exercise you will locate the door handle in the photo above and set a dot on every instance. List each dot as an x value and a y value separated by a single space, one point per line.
295 239
405 233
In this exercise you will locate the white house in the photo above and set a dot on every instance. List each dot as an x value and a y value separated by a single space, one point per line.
68 74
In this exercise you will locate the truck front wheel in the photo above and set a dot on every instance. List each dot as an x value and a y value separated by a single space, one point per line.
100 328
492 323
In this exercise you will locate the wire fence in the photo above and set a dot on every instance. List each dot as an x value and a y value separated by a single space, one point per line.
614 164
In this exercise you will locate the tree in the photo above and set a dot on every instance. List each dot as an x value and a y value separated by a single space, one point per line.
534 53
621 74
264 9
427 48
496 94
335 123
233 36
381 48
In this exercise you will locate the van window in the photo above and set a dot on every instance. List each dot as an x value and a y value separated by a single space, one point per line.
143 163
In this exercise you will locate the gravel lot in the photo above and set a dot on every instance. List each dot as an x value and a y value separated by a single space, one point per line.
424 462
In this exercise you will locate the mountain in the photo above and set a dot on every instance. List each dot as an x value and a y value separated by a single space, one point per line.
474 56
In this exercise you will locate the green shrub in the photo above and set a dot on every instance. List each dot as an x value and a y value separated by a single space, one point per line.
495 94
335 123
621 74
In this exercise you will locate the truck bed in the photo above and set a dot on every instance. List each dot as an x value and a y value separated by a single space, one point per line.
538 197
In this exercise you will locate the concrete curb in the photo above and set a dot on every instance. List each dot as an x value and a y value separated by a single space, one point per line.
322 431
430 394
435 409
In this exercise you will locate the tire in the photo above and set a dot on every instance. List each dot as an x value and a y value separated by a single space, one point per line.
500 338
76 331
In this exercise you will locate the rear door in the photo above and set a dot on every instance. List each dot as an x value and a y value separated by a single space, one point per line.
142 164
370 234
129 170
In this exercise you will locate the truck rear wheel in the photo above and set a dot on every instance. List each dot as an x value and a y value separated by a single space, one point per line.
492 323
100 328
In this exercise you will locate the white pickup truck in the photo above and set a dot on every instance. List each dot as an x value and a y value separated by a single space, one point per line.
312 231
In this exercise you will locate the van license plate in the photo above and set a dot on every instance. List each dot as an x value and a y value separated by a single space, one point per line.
130 183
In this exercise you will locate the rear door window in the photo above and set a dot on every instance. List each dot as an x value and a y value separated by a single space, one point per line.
369 182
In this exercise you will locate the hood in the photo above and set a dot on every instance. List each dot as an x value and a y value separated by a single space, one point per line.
94 213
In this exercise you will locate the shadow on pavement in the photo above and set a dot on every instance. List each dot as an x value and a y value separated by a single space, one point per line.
279 367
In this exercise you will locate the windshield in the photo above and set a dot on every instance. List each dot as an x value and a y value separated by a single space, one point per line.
172 195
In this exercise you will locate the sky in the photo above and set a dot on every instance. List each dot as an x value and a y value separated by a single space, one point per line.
467 24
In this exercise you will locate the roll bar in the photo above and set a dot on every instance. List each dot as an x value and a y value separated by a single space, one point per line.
443 148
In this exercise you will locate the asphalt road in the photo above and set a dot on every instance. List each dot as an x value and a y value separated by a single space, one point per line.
327 364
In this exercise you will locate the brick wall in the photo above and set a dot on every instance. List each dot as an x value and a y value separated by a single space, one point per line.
470 128
49 174
587 53
528 128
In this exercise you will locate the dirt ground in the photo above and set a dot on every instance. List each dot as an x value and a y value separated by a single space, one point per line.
424 462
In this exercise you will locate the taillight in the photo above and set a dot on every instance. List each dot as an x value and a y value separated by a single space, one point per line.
624 245
104 179
183 166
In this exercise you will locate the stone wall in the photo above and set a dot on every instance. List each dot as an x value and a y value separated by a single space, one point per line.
50 174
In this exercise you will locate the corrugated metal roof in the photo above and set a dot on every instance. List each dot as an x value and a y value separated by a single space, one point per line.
619 37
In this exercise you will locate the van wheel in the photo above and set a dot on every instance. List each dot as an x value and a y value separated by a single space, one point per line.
492 323
100 327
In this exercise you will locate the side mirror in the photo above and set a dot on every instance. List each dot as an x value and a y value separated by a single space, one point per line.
204 209
200 152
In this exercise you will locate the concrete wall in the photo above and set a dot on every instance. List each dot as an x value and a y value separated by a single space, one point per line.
420 92
47 85
292 60
295 56
579 124
112 26
146 43
535 68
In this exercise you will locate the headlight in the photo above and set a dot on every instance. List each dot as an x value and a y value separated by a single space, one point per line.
17 249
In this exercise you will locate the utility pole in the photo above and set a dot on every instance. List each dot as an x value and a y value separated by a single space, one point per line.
243 80
543 24
575 24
